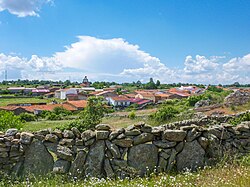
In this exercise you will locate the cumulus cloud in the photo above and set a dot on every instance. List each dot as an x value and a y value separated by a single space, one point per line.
23 8
24 68
118 60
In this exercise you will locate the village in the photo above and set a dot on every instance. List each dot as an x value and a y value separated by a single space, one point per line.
75 99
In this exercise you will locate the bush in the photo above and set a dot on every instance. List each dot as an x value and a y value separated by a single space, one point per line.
27 117
9 120
61 111
53 116
132 115
91 116
238 120
165 113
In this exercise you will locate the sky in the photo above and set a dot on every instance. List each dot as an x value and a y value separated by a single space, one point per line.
194 41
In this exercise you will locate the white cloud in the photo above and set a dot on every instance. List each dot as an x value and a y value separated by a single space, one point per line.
201 64
117 60
23 8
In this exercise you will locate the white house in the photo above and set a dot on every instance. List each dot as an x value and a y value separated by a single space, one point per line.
119 101
62 93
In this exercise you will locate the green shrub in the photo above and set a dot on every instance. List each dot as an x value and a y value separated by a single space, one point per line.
53 116
9 120
165 113
132 115
27 117
238 120
61 111
91 115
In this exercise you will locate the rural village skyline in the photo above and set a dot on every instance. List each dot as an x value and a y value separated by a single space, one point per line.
124 41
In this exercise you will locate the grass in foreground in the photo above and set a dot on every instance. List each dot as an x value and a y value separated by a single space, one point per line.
39 125
236 173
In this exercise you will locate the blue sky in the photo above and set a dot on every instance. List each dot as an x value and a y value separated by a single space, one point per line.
126 40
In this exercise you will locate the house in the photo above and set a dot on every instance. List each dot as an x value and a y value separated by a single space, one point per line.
106 94
17 110
119 101
62 93
141 102
150 95
16 90
79 105
39 92
130 95
179 94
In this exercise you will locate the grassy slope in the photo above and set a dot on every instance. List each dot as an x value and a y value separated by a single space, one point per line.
223 175
5 102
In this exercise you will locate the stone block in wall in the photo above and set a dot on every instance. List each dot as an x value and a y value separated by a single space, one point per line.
126 142
61 166
68 134
108 169
87 135
192 134
26 138
143 138
102 135
164 144
191 157
174 135
64 153
51 138
95 159
114 150
11 132
78 165
143 157
76 132
104 127
38 161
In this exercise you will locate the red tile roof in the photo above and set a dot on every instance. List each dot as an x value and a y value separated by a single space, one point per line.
78 104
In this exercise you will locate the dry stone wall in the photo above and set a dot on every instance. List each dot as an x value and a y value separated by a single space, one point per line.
137 150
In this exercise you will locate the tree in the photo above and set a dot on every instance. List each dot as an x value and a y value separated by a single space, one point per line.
150 84
158 83
9 120
92 114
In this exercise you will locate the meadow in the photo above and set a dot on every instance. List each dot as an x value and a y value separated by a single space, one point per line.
227 173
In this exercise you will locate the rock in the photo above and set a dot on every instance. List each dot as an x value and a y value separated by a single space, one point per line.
95 159
61 166
243 127
133 132
77 167
58 133
162 164
127 142
191 157
68 134
64 153
102 135
76 132
203 142
108 169
26 138
157 130
67 142
11 132
79 142
113 149
164 155
146 129
219 132
90 142
38 161
174 135
120 163
51 146
192 134
164 144
171 160
87 135
43 132
51 138
104 127
143 157
113 135
179 147
143 138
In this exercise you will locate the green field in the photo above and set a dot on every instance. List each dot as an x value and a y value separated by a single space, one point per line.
6 101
